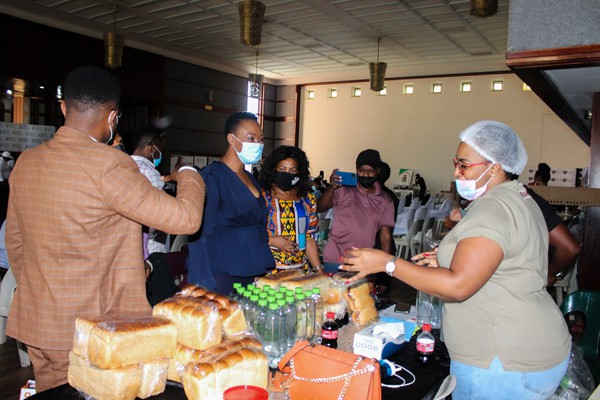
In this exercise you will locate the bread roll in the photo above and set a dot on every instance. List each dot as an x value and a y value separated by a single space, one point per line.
120 343
198 323
185 355
104 384
361 304
154 378
274 280
209 380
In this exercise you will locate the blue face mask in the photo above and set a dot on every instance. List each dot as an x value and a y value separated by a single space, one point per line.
156 160
467 188
251 152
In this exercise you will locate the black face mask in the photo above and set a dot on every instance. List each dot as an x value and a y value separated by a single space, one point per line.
366 181
284 180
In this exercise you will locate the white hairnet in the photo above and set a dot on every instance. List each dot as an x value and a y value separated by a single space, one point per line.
497 142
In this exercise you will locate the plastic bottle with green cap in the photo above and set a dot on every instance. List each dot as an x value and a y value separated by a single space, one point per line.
291 321
310 315
318 314
300 317
272 335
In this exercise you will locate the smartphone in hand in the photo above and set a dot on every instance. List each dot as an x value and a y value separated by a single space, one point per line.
348 178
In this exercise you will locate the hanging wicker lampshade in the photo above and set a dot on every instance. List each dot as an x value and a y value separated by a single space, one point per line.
252 13
113 49
113 45
377 75
377 70
484 8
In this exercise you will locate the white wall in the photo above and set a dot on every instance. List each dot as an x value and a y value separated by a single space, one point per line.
420 131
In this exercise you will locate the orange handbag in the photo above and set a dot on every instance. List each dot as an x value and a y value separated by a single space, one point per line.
322 373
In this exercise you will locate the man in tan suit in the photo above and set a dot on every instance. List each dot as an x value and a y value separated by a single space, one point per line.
73 234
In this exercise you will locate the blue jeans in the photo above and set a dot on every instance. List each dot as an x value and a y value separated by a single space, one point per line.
473 383
332 267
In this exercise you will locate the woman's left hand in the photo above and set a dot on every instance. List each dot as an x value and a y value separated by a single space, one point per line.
428 259
364 261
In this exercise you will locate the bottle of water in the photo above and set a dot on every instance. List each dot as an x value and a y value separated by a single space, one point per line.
291 320
235 293
316 295
300 317
311 310
272 335
283 334
250 309
260 318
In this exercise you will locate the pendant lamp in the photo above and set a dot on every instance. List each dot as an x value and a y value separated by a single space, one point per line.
113 45
377 70
484 8
256 81
252 13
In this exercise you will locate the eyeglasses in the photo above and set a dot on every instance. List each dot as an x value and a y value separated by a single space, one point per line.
463 166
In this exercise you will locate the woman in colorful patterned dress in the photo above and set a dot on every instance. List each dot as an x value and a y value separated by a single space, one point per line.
292 222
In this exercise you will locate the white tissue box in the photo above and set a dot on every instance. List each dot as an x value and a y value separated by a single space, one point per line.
368 344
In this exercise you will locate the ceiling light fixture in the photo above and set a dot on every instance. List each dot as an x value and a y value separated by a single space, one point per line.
113 45
377 70
252 13
484 8
256 81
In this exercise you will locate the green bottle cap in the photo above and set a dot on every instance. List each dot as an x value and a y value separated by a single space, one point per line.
289 299
237 285
254 298
300 297
273 306
266 288
280 302
262 302
317 290
298 290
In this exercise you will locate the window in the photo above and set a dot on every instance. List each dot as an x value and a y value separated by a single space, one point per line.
382 92
497 86
310 94
356 91
526 88
409 88
465 86
333 93
436 88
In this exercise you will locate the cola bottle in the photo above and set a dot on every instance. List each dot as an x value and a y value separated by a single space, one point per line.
329 331
425 345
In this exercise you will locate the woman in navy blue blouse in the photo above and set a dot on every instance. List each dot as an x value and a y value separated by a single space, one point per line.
233 243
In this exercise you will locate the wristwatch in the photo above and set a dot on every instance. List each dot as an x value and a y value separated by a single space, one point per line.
390 267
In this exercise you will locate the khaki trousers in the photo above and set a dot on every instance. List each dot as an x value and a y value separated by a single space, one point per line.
50 367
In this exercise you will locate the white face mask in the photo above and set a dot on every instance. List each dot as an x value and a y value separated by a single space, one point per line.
467 188
251 152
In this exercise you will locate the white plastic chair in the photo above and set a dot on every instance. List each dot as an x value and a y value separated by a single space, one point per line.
404 243
446 388
179 242
7 291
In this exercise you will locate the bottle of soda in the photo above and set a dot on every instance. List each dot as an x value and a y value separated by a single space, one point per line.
425 345
329 331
